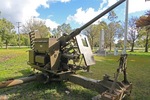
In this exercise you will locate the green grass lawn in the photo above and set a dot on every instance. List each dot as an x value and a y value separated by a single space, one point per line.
13 64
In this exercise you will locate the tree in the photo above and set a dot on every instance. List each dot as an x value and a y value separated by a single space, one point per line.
55 32
114 28
34 24
112 16
120 44
142 38
147 38
1 43
64 28
113 31
14 40
25 39
144 22
92 32
133 32
6 30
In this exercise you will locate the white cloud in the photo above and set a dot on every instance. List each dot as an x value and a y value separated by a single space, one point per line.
82 16
65 0
51 23
102 4
111 2
22 10
138 5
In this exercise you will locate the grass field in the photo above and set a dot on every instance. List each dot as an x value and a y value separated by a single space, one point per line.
13 64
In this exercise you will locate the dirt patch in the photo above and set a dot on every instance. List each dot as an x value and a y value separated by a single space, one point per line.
7 57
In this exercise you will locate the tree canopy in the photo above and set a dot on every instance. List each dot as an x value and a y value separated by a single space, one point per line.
144 20
37 25
6 31
64 28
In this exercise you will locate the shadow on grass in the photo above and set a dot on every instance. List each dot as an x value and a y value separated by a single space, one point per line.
51 91
24 73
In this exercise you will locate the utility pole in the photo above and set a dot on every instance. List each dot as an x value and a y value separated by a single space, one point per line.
126 27
18 26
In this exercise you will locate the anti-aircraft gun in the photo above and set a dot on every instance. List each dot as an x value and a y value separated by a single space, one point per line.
58 59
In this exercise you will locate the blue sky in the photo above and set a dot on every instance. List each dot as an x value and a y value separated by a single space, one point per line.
74 12
59 11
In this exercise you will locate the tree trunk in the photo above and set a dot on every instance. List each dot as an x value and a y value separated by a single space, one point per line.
6 44
146 44
92 44
132 46
110 46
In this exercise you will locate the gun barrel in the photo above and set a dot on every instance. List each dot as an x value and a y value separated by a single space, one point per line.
77 31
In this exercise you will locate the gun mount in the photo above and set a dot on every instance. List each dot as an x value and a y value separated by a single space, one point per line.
58 59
